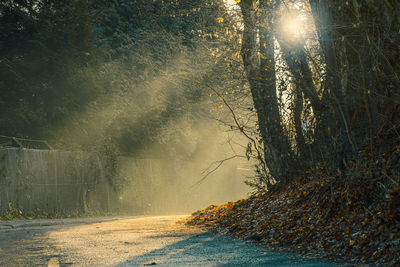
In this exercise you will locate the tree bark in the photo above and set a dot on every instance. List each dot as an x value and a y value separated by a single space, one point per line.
297 111
298 66
323 13
262 79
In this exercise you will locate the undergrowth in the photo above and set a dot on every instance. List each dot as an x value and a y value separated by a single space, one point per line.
14 213
353 215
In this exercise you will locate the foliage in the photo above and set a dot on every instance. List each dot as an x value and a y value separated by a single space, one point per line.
334 88
12 213
100 75
48 66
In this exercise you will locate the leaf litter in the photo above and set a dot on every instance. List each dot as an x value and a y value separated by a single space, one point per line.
353 216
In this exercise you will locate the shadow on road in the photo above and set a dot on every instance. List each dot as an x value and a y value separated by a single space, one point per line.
211 250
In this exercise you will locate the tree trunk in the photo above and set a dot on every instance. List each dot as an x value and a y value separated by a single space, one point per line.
298 66
297 111
296 60
323 13
262 80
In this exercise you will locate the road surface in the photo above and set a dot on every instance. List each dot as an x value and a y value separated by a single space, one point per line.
130 241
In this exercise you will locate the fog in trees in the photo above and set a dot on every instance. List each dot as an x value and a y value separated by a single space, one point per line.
215 92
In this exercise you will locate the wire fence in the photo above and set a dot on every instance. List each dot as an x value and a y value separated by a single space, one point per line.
8 141
51 181
54 181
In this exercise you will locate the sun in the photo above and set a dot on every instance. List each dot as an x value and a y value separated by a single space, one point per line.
292 28
295 23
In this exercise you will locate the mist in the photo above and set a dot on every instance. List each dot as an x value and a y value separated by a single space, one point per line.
168 185
172 153
134 85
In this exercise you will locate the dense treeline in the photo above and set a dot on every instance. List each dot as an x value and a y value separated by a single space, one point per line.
125 73
342 81
117 77
49 69
324 79
131 74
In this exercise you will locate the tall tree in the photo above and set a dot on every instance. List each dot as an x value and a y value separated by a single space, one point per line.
258 53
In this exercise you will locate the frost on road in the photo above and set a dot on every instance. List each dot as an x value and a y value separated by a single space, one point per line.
135 241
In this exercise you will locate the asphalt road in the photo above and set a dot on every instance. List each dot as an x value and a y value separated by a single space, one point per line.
130 241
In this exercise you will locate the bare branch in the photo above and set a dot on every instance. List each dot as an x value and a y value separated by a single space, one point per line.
219 163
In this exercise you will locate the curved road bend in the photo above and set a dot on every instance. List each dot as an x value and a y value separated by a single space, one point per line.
130 241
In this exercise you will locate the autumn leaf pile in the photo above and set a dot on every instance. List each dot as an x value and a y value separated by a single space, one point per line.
354 216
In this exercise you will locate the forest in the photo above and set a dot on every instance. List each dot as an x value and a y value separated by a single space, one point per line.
308 90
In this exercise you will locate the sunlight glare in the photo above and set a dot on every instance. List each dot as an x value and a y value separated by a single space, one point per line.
292 28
